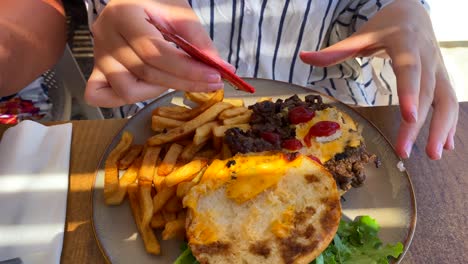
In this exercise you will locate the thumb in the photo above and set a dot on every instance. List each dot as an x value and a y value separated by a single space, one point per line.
354 46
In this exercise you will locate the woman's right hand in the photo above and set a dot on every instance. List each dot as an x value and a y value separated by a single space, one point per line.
133 62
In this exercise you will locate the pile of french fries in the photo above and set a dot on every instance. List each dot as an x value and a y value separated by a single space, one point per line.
156 176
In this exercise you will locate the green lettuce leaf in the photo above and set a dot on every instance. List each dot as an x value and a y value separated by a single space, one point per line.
358 242
186 257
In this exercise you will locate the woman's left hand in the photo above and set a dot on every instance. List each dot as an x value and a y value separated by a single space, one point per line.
422 79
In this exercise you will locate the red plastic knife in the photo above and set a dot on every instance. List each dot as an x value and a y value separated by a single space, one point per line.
199 55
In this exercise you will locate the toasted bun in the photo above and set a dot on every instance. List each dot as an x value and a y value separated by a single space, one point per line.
291 221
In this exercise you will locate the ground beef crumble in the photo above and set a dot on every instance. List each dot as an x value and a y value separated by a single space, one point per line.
348 167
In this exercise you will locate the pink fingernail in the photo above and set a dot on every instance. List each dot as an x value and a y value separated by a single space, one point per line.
215 86
439 151
408 149
414 115
213 78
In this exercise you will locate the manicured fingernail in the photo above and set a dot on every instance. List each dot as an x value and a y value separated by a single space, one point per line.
215 86
439 151
414 115
452 144
408 148
213 78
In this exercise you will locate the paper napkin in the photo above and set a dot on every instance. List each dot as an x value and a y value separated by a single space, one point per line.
34 163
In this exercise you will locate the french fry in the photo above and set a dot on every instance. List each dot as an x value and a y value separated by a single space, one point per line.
199 175
169 216
232 112
225 152
189 127
189 151
185 172
240 119
131 155
158 220
173 229
203 132
148 164
160 123
220 130
184 142
234 101
129 177
161 198
158 181
183 188
146 202
174 205
171 109
111 171
198 98
184 116
170 159
149 239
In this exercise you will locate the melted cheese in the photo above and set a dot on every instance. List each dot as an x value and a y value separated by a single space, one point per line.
204 232
245 178
252 175
282 227
350 137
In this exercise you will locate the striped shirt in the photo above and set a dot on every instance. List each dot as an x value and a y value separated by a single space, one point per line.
262 39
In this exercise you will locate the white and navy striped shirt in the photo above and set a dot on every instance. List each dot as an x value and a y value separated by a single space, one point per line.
262 38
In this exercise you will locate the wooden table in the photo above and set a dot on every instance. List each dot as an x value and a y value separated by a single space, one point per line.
441 190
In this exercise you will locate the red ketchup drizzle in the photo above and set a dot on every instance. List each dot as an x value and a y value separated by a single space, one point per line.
291 144
312 157
321 129
271 137
300 114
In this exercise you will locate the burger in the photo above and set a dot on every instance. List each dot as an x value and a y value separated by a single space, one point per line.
277 200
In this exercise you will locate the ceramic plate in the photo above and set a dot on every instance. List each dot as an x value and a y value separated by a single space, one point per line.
387 194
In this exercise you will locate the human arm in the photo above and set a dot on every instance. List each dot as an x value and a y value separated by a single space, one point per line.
403 32
133 62
32 39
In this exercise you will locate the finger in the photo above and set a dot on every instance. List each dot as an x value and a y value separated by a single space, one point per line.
341 51
450 142
406 63
151 48
99 93
444 117
188 26
130 60
128 87
408 131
